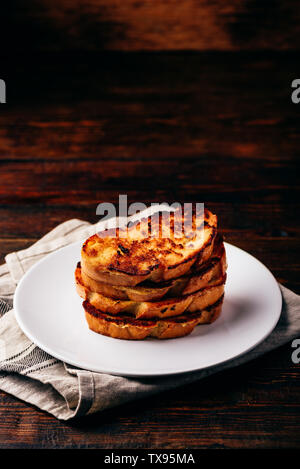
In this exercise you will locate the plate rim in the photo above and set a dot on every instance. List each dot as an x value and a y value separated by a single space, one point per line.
125 373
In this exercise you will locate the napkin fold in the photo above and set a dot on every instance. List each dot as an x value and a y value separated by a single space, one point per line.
65 391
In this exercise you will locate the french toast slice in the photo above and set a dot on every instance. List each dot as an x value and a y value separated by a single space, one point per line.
129 256
147 291
129 328
153 309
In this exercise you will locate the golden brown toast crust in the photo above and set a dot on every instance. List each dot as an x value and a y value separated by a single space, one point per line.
126 327
153 309
148 291
137 257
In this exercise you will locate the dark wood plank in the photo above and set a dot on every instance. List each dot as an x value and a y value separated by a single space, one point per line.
147 25
85 179
218 106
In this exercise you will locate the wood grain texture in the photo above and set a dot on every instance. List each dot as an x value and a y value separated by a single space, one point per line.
79 129
151 25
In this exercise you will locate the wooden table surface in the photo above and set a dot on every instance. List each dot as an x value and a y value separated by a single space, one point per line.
219 127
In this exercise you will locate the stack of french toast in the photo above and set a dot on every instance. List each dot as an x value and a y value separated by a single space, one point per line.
152 278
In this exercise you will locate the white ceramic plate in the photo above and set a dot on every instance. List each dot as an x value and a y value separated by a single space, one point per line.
50 313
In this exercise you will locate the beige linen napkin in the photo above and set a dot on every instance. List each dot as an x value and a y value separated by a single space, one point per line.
32 375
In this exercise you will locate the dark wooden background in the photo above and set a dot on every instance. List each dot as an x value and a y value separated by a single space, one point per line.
164 101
